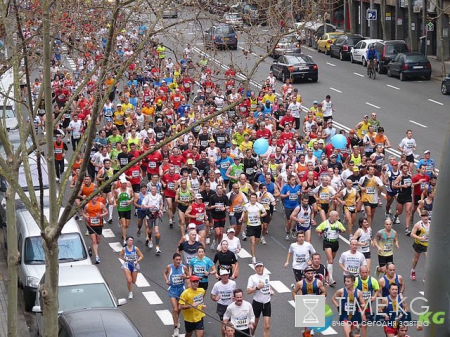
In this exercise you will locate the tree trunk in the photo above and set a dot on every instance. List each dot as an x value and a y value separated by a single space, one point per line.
49 290
383 19
351 15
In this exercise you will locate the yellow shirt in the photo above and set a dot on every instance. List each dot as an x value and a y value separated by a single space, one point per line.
119 117
246 146
268 97
127 108
148 111
189 296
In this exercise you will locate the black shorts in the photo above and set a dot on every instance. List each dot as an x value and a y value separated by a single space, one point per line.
403 199
416 199
298 275
203 285
66 122
367 255
369 204
410 158
311 200
219 223
209 216
351 209
141 214
124 215
254 231
324 207
95 230
136 188
418 248
267 218
288 212
384 260
264 308
333 245
182 208
221 308
192 326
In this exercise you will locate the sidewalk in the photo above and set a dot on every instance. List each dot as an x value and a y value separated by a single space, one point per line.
22 328
436 67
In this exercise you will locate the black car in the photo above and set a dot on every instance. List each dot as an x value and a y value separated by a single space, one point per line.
298 66
445 86
408 65
387 50
221 36
96 322
343 45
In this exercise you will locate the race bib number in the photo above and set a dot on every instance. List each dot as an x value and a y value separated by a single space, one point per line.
184 198
123 203
135 174
123 161
58 151
199 270
152 164
324 196
249 170
219 207
200 217
177 280
293 197
253 220
95 220
370 190
171 186
388 247
353 269
300 258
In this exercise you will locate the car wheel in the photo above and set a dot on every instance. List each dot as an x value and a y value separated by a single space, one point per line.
331 53
389 73
29 301
235 47
352 60
341 56
444 89
283 77
402 77
315 79
428 77
364 62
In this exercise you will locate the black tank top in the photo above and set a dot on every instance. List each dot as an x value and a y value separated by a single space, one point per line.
406 191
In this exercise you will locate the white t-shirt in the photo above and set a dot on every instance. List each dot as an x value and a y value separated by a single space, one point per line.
352 262
76 128
254 213
301 254
154 201
408 145
233 245
240 315
225 291
263 294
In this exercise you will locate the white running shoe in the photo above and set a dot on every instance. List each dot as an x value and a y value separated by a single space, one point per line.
213 245
176 332
263 240
254 259
150 244
208 241
158 251
130 295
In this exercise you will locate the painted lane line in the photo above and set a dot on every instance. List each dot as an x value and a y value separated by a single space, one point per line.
152 298
243 254
165 316
344 239
422 293
331 64
328 332
280 287
424 126
433 101
391 86
360 75
265 272
336 90
116 246
291 302
373 105
141 281
108 233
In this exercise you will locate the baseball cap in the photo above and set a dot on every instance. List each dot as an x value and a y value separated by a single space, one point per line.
198 196
321 141
192 226
272 155
426 151
194 278
119 104
217 171
356 168
108 119
223 150
231 230
147 141
315 102
123 179
333 156
190 161
259 263
223 272
267 101
308 269
159 120
237 157
234 142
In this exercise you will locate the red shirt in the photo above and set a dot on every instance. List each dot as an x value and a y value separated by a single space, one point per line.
287 119
135 173
265 133
177 161
286 136
419 188
187 82
305 176
154 160
170 180
198 209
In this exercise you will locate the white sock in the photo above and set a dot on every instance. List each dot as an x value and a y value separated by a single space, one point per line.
330 272
110 210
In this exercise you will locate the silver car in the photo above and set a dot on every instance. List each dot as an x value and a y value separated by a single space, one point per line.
287 44
170 13
234 19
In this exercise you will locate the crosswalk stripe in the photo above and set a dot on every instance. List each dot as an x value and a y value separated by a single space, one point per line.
141 281
244 254
116 246
108 233
279 287
265 272
291 302
165 316
153 298
422 293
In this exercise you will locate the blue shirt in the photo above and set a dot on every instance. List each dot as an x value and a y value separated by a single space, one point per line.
224 164
372 54
200 267
429 164
292 200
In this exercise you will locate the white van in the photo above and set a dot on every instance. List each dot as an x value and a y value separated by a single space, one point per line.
72 251
7 101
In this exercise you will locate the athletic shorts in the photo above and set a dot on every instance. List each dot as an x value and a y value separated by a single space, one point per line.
333 245
203 285
182 208
367 255
234 219
141 214
416 199
384 260
192 326
201 227
392 194
209 216
401 199
351 209
95 230
288 212
410 158
221 308
418 248
311 200
390 331
124 214
324 207
299 227
136 188
298 274
369 204
175 292
219 223
242 333
267 218
261 308
131 266
152 222
254 231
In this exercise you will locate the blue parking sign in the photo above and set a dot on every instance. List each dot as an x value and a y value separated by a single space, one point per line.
371 14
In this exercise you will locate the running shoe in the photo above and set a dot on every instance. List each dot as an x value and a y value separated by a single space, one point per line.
287 237
130 295
171 223
208 241
110 221
254 259
396 220
244 237
86 233
213 245
407 232
158 251
413 275
293 234
292 286
176 332
263 240
97 260
150 244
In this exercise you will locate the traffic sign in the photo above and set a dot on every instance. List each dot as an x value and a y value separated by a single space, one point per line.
430 27
371 14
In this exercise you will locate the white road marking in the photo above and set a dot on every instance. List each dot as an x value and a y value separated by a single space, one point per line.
424 126
265 272
344 239
432 100
116 246
165 316
422 293
331 64
360 75
141 281
291 302
153 298
373 105
108 233
391 86
329 331
244 254
336 90
280 287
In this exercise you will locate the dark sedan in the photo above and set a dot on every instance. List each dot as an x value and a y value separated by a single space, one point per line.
295 67
445 85
408 65
343 45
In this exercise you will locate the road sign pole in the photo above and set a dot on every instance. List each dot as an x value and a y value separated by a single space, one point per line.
372 23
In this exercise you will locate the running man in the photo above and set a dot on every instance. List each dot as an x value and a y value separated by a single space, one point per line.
93 214
253 213
153 205
123 200
420 233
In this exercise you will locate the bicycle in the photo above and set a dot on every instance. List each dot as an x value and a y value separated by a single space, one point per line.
371 70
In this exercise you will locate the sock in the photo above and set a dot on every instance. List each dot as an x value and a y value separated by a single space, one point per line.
330 272
110 210
157 239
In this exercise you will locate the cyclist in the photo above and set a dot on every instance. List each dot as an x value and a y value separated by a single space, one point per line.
371 56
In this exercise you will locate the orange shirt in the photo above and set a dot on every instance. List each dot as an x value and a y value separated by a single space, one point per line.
94 212
87 190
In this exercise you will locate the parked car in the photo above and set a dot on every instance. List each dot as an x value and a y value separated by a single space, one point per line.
387 50
72 249
325 41
295 67
359 51
343 45
221 35
307 32
249 12
408 65
170 13
218 7
445 85
234 19
110 322
79 288
7 101
285 44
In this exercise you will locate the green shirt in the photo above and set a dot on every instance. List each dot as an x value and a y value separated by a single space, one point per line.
114 139
122 201
331 230
236 171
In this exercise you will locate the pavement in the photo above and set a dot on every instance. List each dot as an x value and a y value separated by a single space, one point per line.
436 67
22 328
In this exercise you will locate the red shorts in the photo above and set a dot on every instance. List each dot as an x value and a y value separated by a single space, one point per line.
390 330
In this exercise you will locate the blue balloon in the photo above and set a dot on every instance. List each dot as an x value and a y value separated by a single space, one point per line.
339 141
261 146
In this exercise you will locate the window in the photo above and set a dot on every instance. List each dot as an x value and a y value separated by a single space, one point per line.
81 296
415 58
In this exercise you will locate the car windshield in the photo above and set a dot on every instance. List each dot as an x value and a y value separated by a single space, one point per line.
396 48
415 58
297 60
289 39
34 176
70 249
353 40
8 112
82 296
334 36
225 30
